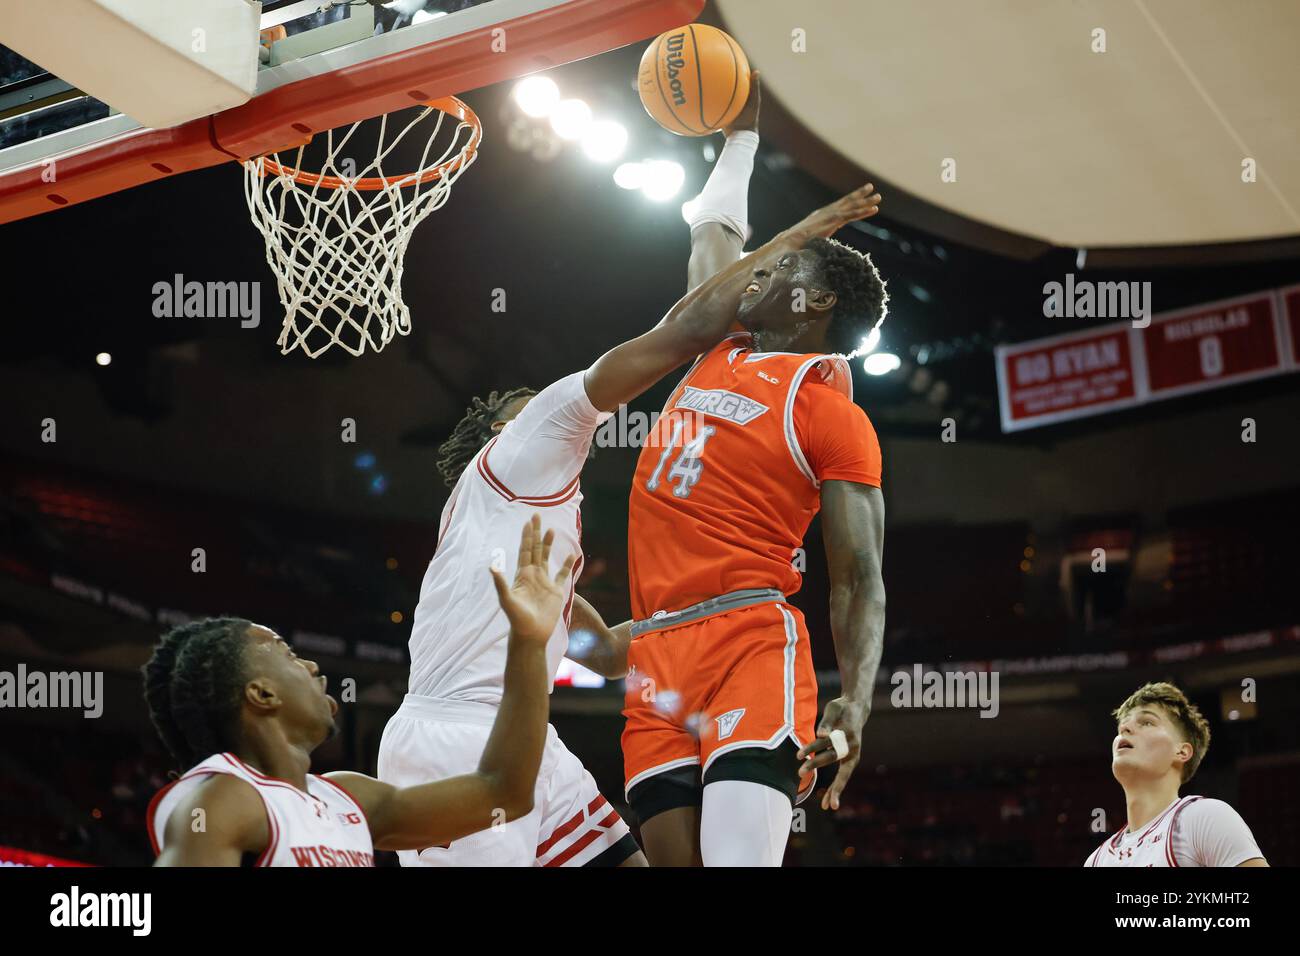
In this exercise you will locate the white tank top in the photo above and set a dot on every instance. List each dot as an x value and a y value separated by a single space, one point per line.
458 639
1153 845
322 827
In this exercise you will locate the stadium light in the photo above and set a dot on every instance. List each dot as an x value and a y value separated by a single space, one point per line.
663 179
881 363
604 141
630 175
537 96
103 358
570 119
870 342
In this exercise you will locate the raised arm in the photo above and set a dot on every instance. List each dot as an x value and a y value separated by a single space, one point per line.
703 316
720 221
853 526
501 789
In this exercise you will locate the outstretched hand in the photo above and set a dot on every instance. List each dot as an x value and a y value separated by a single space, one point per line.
747 118
534 602
862 203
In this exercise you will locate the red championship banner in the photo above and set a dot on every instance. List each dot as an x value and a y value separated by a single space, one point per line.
1291 326
1211 345
1067 376
1118 365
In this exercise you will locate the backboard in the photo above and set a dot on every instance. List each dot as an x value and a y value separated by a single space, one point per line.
324 64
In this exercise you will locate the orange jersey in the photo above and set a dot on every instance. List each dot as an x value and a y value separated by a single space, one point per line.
729 479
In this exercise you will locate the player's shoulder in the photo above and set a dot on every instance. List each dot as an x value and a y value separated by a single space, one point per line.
1208 809
211 789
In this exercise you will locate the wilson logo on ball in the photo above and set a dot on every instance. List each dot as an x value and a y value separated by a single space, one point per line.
694 80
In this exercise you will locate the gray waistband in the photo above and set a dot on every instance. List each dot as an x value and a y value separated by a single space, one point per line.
715 605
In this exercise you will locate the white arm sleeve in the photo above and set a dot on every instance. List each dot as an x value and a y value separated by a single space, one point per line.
725 197
542 450
1211 833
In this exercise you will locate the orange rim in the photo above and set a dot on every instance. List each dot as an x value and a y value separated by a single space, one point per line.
449 105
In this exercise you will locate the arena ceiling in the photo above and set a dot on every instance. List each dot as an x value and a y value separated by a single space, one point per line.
1140 145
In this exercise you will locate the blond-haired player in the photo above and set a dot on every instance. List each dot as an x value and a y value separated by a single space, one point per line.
1160 742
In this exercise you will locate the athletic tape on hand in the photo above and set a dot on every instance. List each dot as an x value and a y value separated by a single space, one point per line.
840 743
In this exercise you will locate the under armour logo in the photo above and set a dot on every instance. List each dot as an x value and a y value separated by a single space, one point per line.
727 722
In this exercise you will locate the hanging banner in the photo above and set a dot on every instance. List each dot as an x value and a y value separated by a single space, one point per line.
1208 346
1119 366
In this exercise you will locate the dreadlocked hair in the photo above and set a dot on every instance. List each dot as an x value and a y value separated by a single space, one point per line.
861 301
193 683
474 431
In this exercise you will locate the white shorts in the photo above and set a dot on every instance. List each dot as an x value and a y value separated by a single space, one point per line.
571 823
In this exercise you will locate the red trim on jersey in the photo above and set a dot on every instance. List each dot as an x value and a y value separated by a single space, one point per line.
451 513
539 501
596 804
1169 844
264 780
574 822
343 790
578 847
152 811
1156 822
609 821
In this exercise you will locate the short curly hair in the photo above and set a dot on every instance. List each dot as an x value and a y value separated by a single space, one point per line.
1185 715
474 431
861 301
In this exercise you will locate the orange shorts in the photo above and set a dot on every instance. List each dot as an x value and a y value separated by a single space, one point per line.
702 689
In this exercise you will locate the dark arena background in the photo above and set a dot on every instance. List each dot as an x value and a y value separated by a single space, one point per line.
1078 502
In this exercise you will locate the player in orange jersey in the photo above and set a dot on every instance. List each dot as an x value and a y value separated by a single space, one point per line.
762 433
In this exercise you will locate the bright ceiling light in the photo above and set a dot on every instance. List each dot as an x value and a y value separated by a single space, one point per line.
870 342
537 96
570 119
103 358
663 179
630 175
881 363
605 141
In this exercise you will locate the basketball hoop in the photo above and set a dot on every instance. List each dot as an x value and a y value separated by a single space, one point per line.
336 241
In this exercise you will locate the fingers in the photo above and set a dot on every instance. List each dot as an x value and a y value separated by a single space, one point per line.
526 536
547 540
832 799
823 759
503 589
536 523
562 576
818 744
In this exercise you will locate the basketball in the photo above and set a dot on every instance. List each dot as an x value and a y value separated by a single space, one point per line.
693 80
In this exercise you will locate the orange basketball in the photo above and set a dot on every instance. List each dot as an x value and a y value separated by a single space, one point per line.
694 80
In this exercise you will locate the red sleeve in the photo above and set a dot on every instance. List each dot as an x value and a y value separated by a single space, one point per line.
836 436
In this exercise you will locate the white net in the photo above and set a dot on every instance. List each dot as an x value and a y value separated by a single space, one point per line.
336 239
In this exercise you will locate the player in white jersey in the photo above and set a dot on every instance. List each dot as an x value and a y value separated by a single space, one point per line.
1161 740
233 702
512 454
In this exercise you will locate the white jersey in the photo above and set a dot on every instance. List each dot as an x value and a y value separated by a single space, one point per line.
458 641
322 827
1192 831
